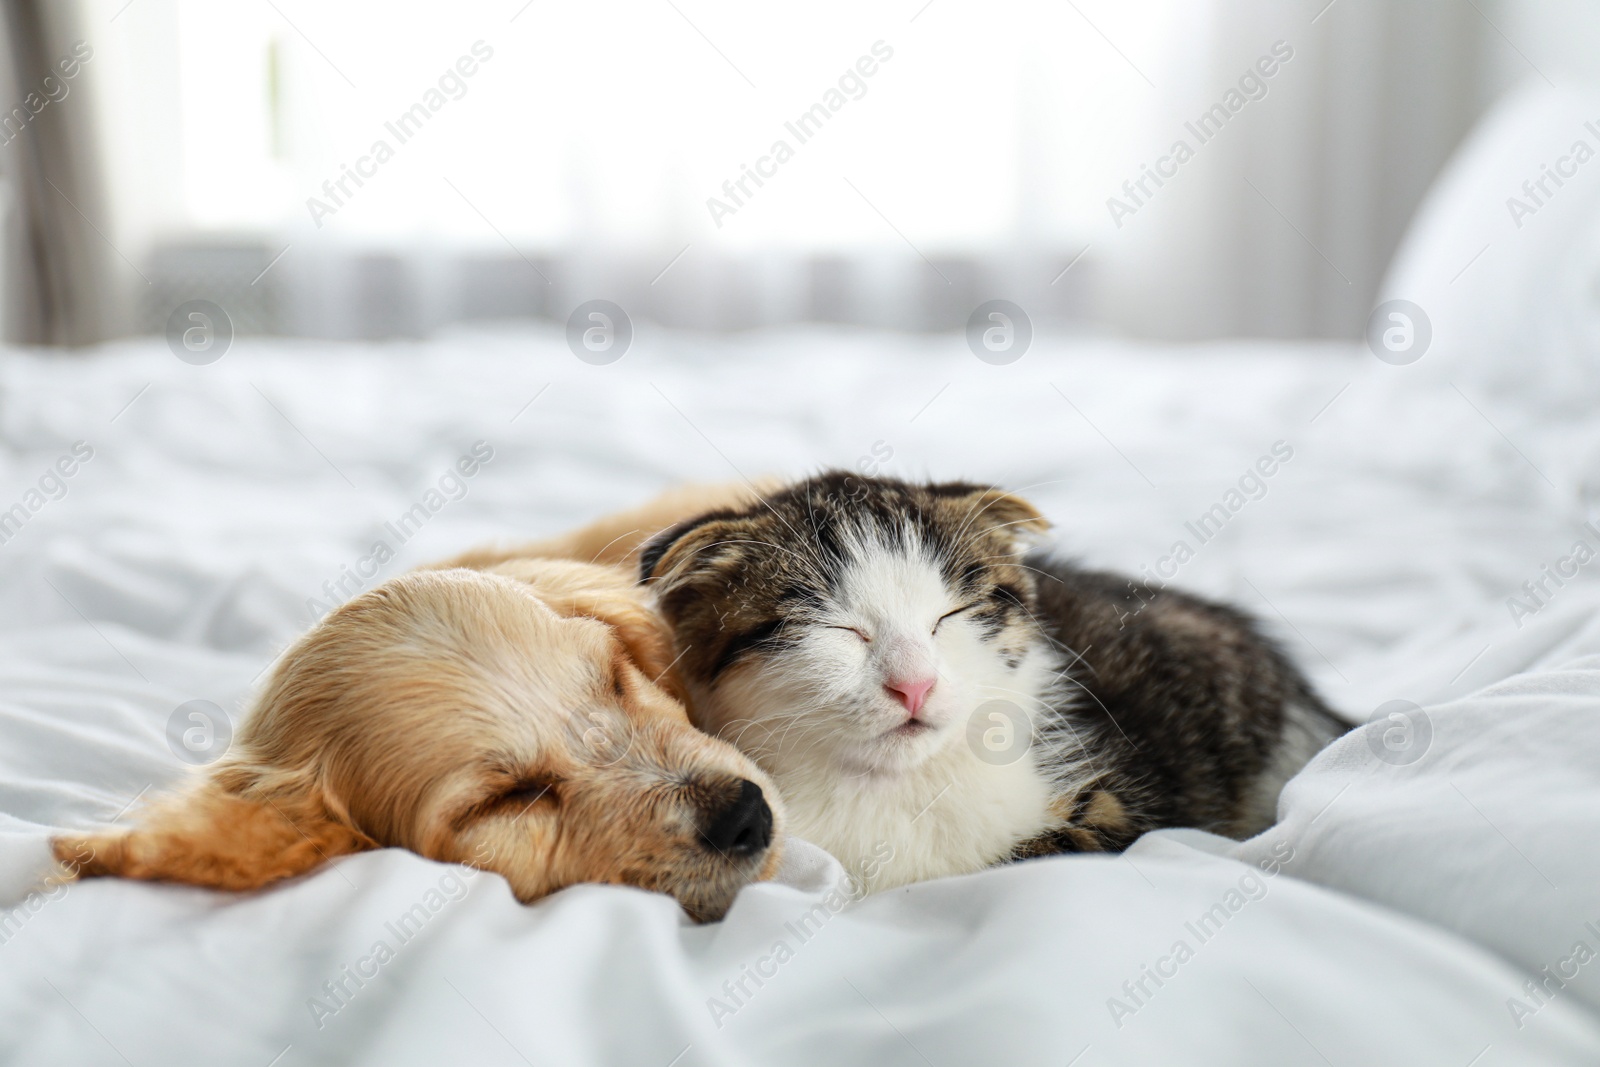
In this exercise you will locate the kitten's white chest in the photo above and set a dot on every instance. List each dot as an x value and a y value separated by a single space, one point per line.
951 815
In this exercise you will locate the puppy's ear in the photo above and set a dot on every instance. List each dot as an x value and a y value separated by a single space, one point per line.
212 835
689 546
642 632
607 595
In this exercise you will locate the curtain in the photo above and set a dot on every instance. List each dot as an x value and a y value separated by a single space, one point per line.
1284 222
1281 224
58 287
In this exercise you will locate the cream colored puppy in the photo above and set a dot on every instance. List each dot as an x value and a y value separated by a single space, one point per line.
523 718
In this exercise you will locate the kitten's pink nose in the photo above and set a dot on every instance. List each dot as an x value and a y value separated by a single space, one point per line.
913 693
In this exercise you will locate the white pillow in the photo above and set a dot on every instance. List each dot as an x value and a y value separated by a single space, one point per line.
1508 273
1480 816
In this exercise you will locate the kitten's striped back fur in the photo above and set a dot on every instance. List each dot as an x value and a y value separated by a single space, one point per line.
1064 711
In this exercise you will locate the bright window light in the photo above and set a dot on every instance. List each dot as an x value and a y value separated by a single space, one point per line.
818 127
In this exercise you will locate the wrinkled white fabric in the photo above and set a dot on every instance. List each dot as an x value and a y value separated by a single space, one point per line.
217 504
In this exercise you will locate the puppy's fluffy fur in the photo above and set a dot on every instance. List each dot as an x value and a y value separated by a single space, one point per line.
522 717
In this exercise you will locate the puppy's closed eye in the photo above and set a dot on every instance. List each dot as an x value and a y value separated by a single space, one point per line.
531 790
515 797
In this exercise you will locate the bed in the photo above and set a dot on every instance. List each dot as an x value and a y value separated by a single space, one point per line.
1428 897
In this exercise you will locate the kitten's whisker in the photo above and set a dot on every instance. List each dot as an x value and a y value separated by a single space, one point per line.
1019 490
1013 561
974 512
996 488
1063 676
1078 657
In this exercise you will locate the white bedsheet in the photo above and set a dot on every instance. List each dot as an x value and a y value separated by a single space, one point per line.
1410 902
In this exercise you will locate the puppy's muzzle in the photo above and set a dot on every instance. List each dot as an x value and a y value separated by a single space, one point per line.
741 828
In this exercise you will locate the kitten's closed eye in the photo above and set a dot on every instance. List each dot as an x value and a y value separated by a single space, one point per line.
867 639
951 615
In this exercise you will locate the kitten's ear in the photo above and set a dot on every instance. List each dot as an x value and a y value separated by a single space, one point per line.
679 550
997 508
993 509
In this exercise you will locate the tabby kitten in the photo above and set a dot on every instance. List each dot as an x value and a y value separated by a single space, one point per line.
921 686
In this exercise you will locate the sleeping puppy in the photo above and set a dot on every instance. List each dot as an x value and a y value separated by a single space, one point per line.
523 719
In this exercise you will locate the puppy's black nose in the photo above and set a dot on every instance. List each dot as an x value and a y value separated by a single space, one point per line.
741 829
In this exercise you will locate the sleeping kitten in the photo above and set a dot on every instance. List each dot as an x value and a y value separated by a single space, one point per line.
920 687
